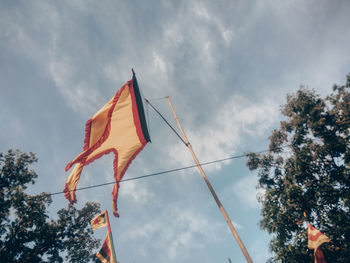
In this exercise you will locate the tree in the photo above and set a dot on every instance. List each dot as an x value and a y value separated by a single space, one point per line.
26 232
306 172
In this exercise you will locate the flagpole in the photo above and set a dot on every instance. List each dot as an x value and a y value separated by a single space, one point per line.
111 238
228 220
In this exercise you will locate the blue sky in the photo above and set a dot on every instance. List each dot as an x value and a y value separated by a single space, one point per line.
226 65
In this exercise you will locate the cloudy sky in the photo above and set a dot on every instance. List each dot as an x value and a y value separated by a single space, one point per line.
226 65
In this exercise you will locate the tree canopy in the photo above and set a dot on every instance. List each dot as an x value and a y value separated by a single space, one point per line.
305 176
27 234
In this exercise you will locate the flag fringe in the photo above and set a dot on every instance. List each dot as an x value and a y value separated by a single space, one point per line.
70 194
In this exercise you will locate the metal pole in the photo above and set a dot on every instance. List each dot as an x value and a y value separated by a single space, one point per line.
228 220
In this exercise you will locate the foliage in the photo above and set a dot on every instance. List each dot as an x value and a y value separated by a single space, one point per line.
26 232
306 170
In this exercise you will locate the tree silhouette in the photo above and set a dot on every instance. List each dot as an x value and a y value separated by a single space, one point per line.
27 234
306 172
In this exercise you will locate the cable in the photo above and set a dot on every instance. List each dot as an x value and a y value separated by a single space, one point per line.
162 172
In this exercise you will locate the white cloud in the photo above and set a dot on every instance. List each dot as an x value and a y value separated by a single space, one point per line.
236 225
22 37
189 51
204 14
158 62
13 124
173 36
227 35
17 37
33 39
77 93
222 134
184 231
246 191
259 249
135 190
200 10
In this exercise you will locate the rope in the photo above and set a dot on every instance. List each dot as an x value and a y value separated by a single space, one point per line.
171 127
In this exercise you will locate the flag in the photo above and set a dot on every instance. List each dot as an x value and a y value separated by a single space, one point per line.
118 127
99 221
315 240
106 253
315 237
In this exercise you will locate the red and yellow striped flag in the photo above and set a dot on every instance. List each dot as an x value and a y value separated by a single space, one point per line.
99 221
106 253
118 127
315 240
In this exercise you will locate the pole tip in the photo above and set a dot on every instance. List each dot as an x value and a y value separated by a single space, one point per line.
133 72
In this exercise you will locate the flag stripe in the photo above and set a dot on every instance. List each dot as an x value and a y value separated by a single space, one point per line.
103 258
319 257
114 258
315 244
106 253
314 237
87 134
136 115
140 110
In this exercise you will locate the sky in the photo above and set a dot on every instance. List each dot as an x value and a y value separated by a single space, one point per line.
227 66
